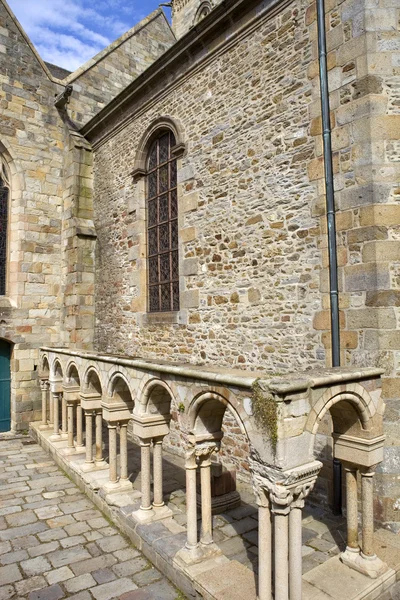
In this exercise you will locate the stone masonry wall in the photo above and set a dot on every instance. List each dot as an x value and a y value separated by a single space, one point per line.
31 145
364 43
50 266
249 259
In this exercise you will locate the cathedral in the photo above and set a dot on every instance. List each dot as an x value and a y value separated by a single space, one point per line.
200 249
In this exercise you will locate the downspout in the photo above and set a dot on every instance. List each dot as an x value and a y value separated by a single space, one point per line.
331 223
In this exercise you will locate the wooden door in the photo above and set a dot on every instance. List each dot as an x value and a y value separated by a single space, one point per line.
5 386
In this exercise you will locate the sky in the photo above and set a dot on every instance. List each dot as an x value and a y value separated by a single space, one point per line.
69 32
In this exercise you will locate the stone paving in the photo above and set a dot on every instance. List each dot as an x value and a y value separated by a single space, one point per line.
55 544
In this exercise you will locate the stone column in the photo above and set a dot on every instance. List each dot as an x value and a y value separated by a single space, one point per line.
44 386
79 428
89 438
204 452
64 428
145 474
191 505
70 411
158 499
351 508
206 536
264 547
99 439
112 437
281 550
56 419
295 555
367 495
51 407
123 451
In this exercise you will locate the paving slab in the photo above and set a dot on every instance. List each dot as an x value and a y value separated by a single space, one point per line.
56 543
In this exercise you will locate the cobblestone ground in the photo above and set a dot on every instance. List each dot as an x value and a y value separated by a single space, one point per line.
55 544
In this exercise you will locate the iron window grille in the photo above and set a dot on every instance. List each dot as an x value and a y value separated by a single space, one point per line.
162 226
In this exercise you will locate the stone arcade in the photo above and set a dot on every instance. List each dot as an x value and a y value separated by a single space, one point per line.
123 391
164 277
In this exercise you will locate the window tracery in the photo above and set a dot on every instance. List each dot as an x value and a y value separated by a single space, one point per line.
162 225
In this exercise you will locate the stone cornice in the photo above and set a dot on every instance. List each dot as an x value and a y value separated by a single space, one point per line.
221 29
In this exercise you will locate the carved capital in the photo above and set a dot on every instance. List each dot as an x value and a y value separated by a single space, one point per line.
205 450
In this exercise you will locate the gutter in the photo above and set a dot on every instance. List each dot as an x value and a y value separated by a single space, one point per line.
331 222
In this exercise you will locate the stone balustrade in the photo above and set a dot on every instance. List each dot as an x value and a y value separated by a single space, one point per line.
122 392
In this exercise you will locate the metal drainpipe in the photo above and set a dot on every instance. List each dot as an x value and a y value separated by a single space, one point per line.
331 222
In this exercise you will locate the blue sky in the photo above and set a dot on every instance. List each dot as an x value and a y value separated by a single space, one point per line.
69 32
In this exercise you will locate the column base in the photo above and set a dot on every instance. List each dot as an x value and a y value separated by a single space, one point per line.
80 449
43 427
116 486
161 512
68 451
64 435
191 555
55 437
143 516
88 466
372 566
101 464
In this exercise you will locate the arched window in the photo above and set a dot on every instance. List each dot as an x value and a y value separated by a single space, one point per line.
4 196
162 225
203 11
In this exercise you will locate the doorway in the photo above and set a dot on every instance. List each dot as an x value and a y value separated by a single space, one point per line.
5 386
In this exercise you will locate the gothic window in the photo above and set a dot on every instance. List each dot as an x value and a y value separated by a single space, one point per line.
4 194
162 225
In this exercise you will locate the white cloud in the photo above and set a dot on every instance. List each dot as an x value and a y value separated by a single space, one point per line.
70 32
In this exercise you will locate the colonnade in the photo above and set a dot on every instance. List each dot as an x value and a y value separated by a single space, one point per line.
280 495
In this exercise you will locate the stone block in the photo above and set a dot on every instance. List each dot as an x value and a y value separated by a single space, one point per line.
391 389
368 276
381 251
188 234
383 298
382 340
371 318
189 202
190 299
363 195
189 266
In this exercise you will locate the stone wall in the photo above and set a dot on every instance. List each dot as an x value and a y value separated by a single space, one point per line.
249 257
51 238
31 145
363 79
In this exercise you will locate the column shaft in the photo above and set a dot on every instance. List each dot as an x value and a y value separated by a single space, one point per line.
99 436
145 476
89 437
123 451
206 514
367 494
56 397
295 555
79 432
70 409
281 564
44 402
64 429
112 436
51 411
191 506
352 508
158 474
264 553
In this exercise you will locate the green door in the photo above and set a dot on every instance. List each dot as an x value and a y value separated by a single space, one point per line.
5 386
